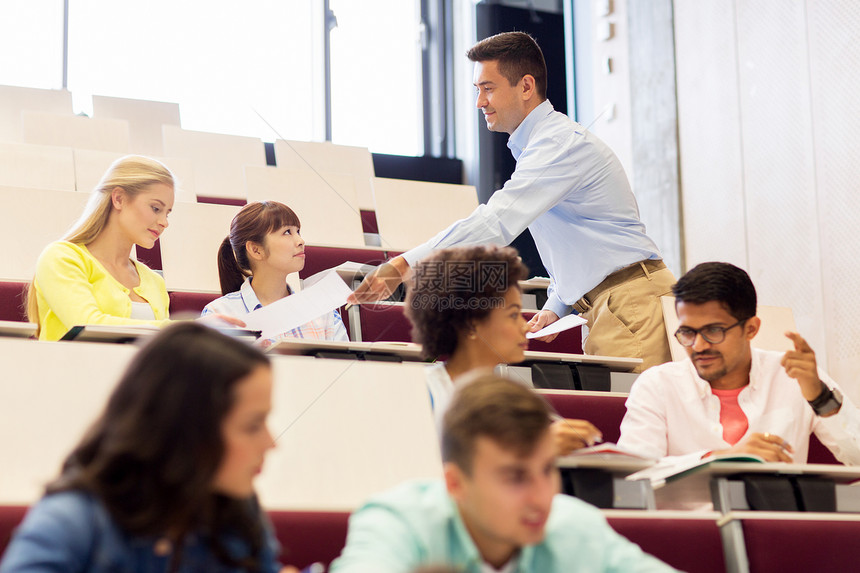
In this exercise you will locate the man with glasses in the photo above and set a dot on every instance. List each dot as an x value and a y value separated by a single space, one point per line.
730 397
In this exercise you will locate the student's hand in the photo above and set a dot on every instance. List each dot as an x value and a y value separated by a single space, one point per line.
540 320
769 446
381 282
289 569
215 320
800 365
571 435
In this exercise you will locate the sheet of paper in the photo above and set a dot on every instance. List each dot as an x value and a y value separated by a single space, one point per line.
348 271
569 321
325 295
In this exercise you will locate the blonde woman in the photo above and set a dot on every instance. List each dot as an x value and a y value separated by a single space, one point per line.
89 277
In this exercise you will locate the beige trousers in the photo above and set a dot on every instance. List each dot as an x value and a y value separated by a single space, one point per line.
627 320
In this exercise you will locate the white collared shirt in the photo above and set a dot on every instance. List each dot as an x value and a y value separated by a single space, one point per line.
243 301
672 412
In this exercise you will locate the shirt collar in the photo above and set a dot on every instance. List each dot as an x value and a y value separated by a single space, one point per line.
520 137
249 297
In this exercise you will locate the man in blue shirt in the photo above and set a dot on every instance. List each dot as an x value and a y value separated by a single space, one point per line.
571 191
498 508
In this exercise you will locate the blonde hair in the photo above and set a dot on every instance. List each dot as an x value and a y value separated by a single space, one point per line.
132 173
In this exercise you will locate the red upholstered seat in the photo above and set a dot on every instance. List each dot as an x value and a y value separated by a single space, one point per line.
12 301
10 517
310 536
368 222
384 322
686 544
221 200
819 454
322 258
189 302
800 545
605 412
568 341
305 536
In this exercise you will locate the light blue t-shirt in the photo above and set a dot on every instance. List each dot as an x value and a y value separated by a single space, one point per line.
418 524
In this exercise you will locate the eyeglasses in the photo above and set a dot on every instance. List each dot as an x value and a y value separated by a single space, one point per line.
711 333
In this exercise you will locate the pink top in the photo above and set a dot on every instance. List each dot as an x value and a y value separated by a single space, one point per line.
733 419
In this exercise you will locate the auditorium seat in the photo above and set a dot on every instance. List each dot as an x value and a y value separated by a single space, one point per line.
10 517
90 165
819 454
41 216
310 536
801 543
190 302
325 202
15 99
687 542
189 246
411 212
218 160
75 131
568 341
368 222
326 157
37 166
384 322
144 118
683 540
603 409
319 258
12 301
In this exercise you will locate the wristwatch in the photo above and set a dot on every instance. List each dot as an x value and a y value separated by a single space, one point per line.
827 402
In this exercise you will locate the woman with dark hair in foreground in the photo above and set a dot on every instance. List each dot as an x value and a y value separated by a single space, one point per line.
163 480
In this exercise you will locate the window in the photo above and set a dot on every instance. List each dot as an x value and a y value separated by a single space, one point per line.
31 43
232 67
376 86
253 68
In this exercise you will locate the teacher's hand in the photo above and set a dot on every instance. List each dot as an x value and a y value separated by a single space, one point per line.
540 320
381 282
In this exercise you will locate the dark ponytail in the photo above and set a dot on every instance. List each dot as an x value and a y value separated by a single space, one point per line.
252 223
230 273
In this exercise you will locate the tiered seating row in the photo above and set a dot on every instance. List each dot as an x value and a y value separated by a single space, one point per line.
44 146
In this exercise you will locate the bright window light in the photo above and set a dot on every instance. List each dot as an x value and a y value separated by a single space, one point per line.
31 43
376 98
244 68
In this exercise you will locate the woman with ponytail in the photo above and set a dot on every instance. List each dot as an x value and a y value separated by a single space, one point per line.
264 246
89 277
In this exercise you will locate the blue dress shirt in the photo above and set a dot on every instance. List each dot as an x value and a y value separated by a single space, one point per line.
571 191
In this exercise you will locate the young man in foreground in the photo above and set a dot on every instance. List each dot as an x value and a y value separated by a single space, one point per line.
498 508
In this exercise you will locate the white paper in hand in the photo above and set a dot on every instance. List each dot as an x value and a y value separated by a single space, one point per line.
324 296
569 321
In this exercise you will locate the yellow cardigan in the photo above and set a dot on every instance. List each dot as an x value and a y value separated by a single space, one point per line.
73 288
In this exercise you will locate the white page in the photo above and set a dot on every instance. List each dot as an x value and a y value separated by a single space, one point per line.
324 296
348 271
569 321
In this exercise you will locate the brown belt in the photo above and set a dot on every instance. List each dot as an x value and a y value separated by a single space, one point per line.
621 276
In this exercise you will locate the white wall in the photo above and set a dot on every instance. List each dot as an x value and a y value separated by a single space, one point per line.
769 134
